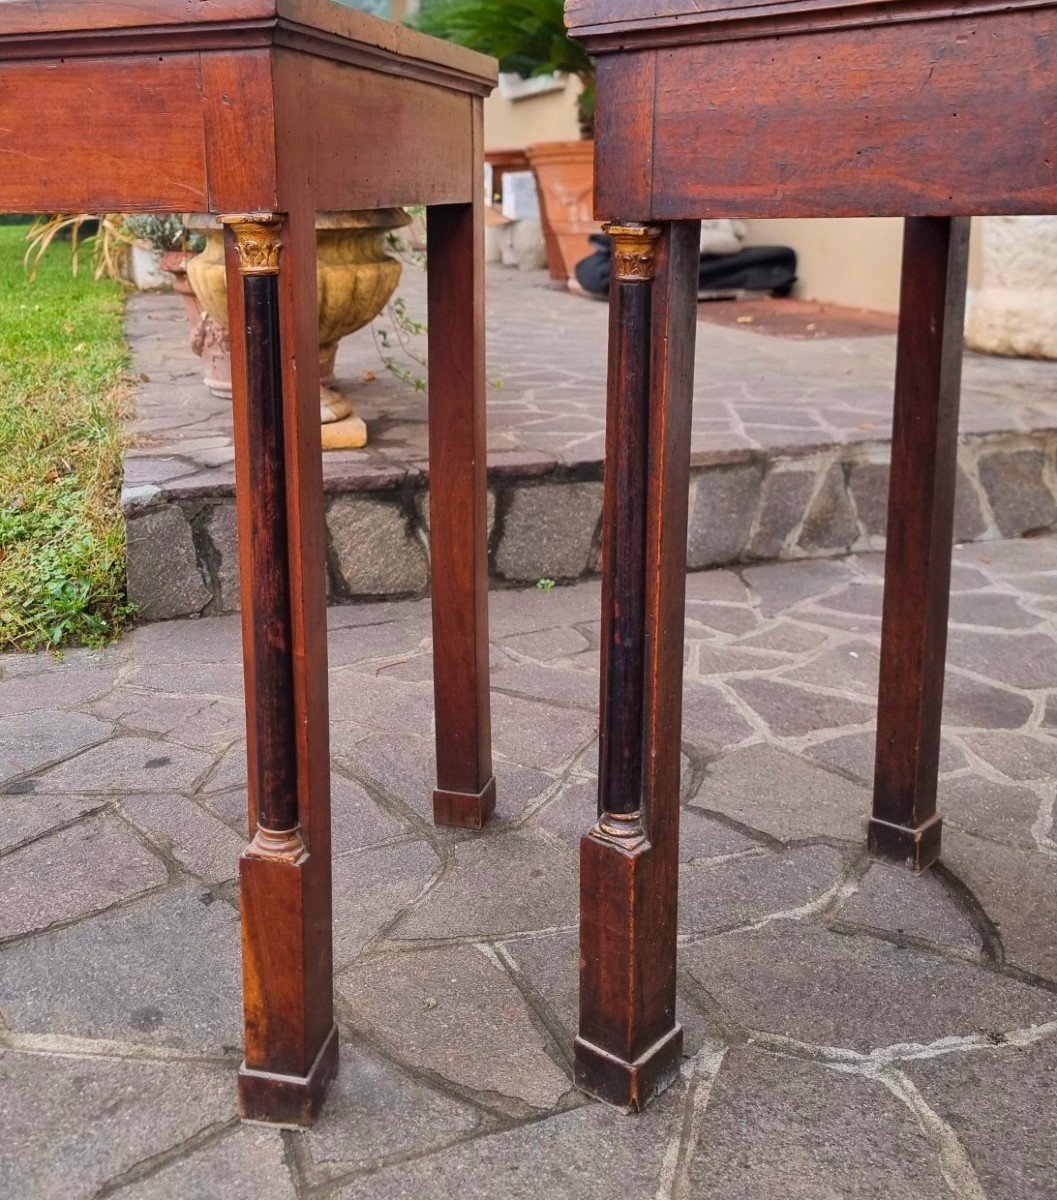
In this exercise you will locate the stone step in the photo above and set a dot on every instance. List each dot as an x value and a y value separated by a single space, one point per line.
789 452
183 556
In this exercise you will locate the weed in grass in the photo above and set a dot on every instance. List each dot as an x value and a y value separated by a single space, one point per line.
62 540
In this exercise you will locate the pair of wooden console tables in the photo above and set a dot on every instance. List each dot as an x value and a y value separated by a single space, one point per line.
267 111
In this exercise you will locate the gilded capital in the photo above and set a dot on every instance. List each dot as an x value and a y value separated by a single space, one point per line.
633 251
256 241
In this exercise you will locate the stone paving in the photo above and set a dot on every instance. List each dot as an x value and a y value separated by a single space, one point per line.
790 447
851 1031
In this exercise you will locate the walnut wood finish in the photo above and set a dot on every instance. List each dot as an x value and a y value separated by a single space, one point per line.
320 27
890 115
458 490
291 1040
905 824
629 1043
275 110
260 413
183 110
782 108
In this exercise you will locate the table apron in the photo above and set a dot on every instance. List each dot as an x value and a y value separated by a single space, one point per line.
197 132
928 118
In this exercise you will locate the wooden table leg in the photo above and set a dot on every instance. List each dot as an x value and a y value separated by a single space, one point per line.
905 825
458 485
629 1044
291 1038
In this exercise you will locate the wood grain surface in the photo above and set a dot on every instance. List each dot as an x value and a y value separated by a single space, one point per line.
629 1043
886 120
920 539
43 20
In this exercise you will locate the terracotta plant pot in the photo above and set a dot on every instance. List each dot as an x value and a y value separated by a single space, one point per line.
356 280
175 263
502 161
565 176
208 340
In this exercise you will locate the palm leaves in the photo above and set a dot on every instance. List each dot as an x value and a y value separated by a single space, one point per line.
528 38
110 244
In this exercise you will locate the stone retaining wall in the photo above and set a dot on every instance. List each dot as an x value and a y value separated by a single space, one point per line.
749 507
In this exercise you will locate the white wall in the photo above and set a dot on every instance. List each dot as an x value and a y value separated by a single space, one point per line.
515 124
854 261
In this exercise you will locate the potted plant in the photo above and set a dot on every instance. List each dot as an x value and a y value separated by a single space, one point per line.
140 249
154 240
529 39
106 234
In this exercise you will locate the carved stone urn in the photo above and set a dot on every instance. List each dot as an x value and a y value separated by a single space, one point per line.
356 280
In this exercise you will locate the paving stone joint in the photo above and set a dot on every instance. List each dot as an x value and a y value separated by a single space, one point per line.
851 1030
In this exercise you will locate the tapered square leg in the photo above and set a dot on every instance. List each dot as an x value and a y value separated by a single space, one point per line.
629 1044
905 825
458 489
291 1038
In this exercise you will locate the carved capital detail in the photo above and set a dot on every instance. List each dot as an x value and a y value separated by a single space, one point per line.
623 829
633 251
282 845
257 241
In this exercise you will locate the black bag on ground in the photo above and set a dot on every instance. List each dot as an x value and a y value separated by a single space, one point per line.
754 269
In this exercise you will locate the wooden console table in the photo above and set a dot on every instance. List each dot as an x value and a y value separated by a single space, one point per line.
777 108
265 112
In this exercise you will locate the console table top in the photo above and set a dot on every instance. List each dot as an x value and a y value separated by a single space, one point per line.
38 28
614 25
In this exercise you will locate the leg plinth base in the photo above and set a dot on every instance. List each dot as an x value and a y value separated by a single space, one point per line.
917 848
464 810
289 1099
628 1085
629 1043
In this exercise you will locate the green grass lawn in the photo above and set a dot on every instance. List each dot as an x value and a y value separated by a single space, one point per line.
62 537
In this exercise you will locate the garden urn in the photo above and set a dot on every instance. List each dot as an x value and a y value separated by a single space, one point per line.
565 176
356 279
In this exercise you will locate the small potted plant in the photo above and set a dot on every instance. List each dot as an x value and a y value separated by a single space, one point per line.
158 244
105 234
529 39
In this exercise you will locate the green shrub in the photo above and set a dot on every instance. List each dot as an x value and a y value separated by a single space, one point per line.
528 37
62 542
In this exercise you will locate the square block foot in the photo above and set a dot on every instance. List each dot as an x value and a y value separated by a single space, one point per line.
464 810
289 1099
916 848
628 1085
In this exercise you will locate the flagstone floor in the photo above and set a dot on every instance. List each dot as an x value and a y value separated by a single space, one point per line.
753 394
851 1031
